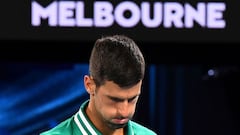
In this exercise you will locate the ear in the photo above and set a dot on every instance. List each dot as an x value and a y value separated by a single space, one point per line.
89 84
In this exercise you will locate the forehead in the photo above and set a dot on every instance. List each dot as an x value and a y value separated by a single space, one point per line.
112 89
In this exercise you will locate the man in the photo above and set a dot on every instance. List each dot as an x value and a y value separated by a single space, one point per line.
116 69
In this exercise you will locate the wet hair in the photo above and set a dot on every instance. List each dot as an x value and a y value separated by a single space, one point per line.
116 58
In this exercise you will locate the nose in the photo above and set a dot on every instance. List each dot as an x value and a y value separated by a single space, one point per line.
123 109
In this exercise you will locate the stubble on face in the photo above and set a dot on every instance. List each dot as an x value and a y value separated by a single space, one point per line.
106 100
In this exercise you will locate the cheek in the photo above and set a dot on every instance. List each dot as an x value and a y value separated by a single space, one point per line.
104 107
132 107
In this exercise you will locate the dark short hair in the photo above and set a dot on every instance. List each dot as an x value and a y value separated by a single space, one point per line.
116 58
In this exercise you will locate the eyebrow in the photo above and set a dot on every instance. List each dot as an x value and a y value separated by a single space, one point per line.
122 99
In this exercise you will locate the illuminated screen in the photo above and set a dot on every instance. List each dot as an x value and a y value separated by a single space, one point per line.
147 21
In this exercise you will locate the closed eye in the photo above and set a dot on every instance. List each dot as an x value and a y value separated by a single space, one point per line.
132 99
116 99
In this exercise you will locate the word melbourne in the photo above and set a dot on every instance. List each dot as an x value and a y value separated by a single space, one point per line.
129 14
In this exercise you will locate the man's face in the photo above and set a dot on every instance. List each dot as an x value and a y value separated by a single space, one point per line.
114 105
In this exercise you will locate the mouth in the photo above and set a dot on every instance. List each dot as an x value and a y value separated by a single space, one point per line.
120 121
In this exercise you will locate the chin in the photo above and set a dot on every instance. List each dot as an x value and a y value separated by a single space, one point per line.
117 126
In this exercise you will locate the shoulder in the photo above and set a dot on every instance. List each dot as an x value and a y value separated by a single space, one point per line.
140 129
64 128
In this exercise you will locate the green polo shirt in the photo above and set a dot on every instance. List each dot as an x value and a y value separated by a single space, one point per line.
80 124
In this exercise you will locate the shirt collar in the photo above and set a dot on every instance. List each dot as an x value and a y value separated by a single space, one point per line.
86 126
